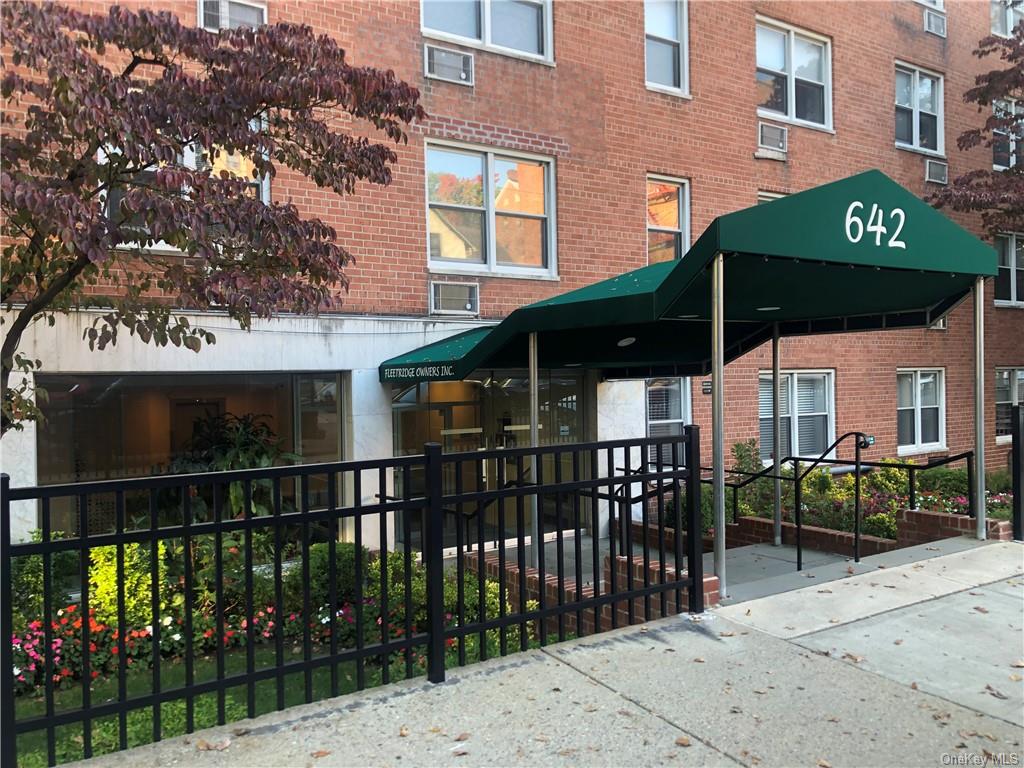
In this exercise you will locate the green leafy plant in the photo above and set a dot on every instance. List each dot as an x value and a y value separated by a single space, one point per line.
27 581
103 583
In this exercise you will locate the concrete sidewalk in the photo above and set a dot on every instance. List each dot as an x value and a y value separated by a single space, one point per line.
735 687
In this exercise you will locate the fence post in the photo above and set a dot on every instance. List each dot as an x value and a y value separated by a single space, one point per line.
972 499
1017 468
856 500
694 522
433 554
912 482
8 751
797 513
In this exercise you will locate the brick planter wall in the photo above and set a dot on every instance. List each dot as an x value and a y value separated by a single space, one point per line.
491 570
917 526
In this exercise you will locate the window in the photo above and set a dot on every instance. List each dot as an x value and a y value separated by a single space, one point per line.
1007 146
489 211
666 44
919 110
667 219
920 410
1006 15
811 392
1009 392
768 197
231 14
668 411
522 27
1010 280
793 74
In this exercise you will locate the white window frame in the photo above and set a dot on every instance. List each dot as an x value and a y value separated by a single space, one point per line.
790 117
935 5
764 196
1008 18
1016 142
1015 398
484 41
201 18
1014 300
683 12
491 266
684 213
909 449
685 405
794 432
940 127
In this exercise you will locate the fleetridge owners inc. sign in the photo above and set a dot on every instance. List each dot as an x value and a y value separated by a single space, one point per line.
438 372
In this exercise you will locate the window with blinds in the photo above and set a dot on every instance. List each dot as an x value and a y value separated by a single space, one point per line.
811 394
668 410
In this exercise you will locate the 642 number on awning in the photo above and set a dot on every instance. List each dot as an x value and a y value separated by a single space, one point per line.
857 228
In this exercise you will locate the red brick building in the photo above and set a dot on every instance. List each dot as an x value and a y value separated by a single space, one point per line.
574 141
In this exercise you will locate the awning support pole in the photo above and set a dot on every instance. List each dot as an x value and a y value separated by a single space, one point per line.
718 414
536 534
776 439
979 405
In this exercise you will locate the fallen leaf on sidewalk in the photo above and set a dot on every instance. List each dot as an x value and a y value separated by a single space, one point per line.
735 710
434 729
590 708
760 691
462 737
913 686
699 660
460 752
897 642
833 719
1018 664
320 753
541 738
1016 678
240 731
824 764
933 549
996 693
747 613
825 591
218 746
849 569
833 621
682 741
726 634
853 657
979 609
403 731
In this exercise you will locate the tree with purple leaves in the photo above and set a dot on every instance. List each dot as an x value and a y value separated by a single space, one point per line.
997 193
116 197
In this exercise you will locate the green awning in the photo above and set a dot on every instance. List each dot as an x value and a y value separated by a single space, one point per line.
860 254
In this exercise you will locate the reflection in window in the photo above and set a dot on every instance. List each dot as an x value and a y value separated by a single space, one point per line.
1010 278
665 33
518 25
488 209
918 109
793 74
666 219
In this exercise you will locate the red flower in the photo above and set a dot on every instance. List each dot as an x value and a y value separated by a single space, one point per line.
95 674
114 650
65 672
92 647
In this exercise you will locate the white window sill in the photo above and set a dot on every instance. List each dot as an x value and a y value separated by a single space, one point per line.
437 269
1004 439
769 115
918 450
921 151
679 93
766 153
1005 304
481 46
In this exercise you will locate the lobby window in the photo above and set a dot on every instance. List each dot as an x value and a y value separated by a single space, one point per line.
1009 392
1006 15
1010 279
519 27
1008 140
920 410
793 74
919 122
668 208
231 14
668 411
666 45
489 211
811 392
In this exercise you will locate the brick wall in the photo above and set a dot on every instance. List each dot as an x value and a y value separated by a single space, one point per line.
569 594
605 131
917 526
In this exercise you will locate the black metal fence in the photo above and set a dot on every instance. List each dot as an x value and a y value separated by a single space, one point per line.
214 597
1017 470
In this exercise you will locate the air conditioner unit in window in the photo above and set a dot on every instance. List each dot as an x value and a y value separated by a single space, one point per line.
935 22
770 136
448 65
454 299
936 171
